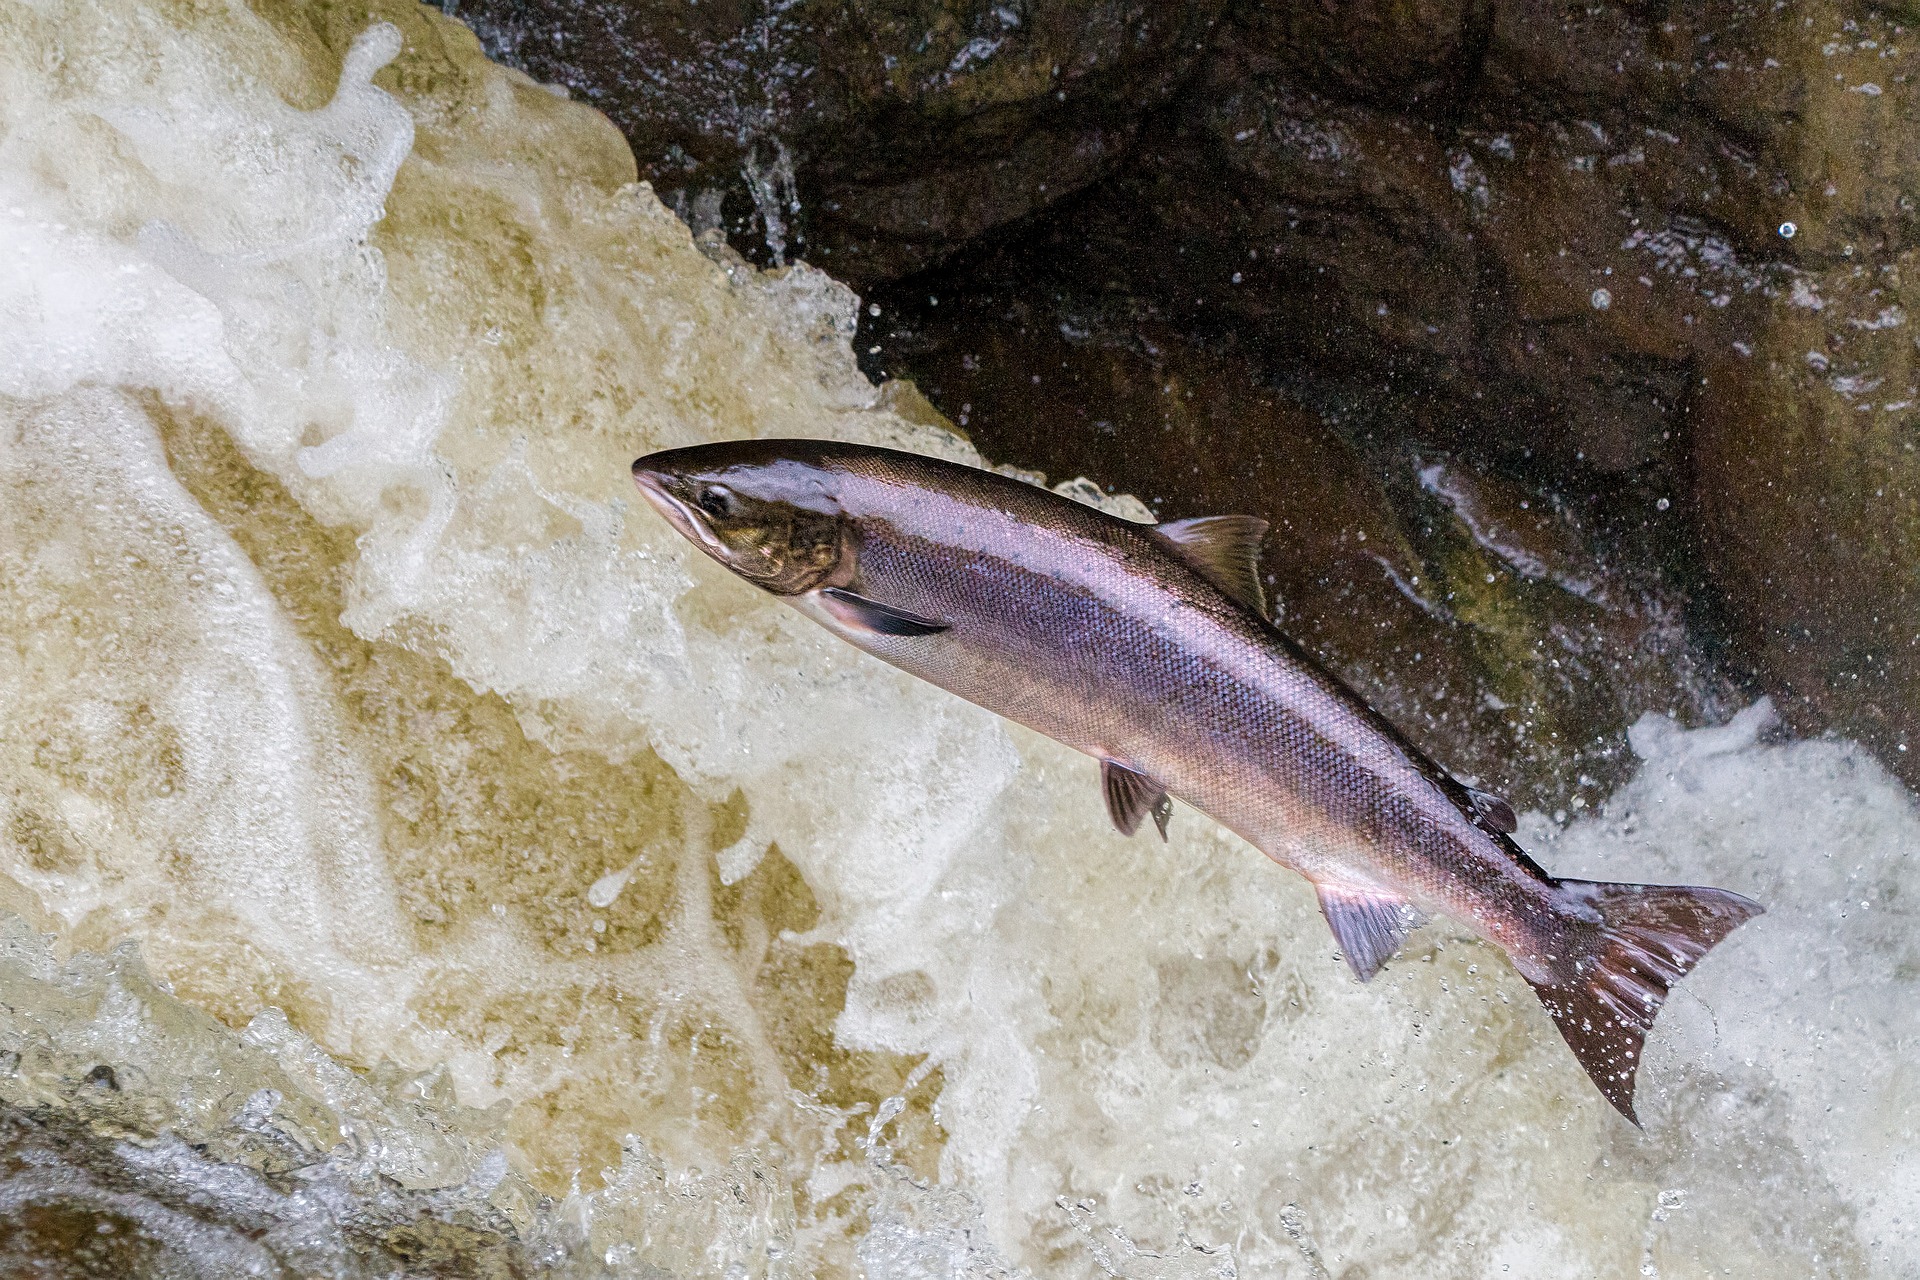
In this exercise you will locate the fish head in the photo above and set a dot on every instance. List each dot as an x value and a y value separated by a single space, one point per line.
767 510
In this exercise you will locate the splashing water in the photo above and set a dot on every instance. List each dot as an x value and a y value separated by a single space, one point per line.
346 680
775 196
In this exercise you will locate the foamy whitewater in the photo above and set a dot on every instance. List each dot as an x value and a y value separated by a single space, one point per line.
346 681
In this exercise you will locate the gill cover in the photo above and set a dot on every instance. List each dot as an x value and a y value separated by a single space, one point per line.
775 526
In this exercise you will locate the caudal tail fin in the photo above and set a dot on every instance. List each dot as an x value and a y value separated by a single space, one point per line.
1619 972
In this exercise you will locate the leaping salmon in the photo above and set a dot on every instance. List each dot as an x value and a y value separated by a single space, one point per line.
1149 648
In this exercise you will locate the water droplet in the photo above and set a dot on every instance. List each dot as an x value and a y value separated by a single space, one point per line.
1661 505
1602 299
1788 230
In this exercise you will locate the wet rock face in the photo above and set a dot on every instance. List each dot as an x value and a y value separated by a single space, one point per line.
1468 234
79 1206
875 139
1804 443
1809 491
1420 54
1639 267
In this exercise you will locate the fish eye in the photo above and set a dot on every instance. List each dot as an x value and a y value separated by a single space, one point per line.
717 500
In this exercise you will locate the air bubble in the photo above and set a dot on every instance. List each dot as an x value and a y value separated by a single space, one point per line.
1788 231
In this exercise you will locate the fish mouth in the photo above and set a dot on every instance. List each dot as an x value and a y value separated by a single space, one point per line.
682 516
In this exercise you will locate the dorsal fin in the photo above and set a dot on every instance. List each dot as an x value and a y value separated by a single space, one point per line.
1226 551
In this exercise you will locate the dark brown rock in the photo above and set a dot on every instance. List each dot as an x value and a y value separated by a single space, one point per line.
1806 436
1809 486
83 1201
875 139
1426 53
1460 252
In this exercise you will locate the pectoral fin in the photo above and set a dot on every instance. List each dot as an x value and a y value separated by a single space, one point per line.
1226 551
1132 796
1491 813
858 613
1369 926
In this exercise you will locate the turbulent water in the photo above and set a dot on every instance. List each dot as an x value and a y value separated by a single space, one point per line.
420 852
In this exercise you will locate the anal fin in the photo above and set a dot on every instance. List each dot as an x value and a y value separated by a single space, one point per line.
1368 925
1131 797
